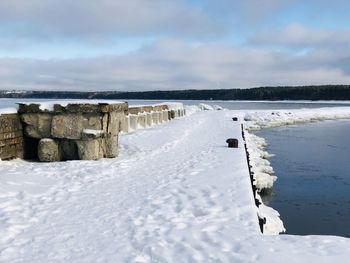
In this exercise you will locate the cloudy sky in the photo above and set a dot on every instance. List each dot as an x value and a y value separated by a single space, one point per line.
137 45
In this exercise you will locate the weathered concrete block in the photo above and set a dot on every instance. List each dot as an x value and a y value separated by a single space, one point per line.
155 117
149 119
89 149
125 124
158 107
67 126
37 125
165 115
92 121
120 107
148 108
141 121
49 151
116 122
133 121
135 110
160 116
9 123
11 148
69 150
11 137
111 146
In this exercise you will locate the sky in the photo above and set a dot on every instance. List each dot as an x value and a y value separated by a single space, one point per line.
139 45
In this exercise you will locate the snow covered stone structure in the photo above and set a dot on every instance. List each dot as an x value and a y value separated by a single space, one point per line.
75 129
72 131
143 116
11 137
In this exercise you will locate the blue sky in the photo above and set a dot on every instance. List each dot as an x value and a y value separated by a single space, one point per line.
166 44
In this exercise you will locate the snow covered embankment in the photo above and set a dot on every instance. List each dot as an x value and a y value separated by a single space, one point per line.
176 194
262 178
256 120
262 170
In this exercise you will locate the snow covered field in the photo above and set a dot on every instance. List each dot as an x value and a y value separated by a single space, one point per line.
176 193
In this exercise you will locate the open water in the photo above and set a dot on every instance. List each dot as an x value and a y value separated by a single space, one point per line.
312 163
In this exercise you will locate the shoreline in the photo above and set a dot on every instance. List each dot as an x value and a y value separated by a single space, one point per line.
257 156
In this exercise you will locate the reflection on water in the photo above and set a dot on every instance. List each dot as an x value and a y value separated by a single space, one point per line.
312 164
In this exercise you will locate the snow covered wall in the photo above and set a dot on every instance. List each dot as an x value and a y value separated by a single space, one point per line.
75 129
144 116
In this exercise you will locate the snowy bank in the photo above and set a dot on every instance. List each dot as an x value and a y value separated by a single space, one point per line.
256 120
177 193
262 170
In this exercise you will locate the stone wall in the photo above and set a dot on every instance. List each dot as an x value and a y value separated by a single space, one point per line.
11 137
73 131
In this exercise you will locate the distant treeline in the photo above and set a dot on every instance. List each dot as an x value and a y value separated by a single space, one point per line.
325 92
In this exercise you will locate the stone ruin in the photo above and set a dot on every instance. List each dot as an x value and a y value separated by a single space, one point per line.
76 131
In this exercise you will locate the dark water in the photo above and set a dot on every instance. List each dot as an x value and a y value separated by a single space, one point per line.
312 163
232 105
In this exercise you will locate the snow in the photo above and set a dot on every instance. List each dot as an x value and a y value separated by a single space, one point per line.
263 171
172 105
204 106
93 132
256 120
47 140
176 193
8 111
48 105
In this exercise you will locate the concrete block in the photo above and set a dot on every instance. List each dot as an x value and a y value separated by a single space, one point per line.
133 122
111 146
89 149
49 150
155 118
37 125
67 126
165 115
69 150
141 121
149 120
160 117
125 124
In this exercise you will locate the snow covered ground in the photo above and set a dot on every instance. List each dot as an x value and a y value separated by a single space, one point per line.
176 193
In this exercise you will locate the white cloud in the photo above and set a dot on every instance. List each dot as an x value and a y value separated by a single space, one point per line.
173 64
298 35
101 19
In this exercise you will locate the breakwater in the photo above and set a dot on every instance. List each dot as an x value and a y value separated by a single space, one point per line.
58 131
